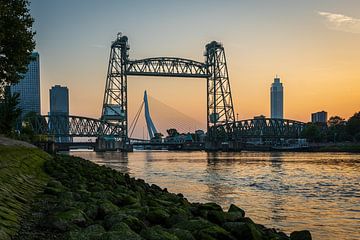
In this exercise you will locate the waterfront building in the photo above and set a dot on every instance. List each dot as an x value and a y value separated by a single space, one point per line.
277 99
319 117
29 87
59 100
59 107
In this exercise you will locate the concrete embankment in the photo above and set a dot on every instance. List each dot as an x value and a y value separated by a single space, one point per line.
82 200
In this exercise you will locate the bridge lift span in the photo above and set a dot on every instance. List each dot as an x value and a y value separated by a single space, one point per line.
220 111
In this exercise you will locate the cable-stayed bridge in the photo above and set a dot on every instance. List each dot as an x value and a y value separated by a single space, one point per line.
221 127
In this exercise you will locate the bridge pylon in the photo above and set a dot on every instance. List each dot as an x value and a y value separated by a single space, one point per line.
114 107
220 110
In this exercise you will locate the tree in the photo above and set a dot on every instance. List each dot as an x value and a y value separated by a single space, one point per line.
172 132
16 41
312 133
9 111
336 121
353 126
336 131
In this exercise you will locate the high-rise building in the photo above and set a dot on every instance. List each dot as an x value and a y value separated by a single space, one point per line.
59 107
319 117
29 87
277 99
59 100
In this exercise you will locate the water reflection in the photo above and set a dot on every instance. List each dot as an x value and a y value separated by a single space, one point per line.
278 200
218 180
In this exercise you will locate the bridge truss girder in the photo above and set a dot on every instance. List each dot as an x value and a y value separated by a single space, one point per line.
267 128
73 126
167 67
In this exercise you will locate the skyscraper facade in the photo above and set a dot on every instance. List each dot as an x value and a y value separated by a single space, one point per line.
59 100
29 87
277 99
59 107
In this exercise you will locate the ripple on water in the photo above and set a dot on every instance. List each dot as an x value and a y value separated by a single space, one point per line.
287 191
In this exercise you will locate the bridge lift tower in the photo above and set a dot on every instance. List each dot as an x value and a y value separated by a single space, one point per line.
220 111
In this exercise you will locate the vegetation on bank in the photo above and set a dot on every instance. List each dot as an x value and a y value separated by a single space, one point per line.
85 201
22 178
336 130
339 148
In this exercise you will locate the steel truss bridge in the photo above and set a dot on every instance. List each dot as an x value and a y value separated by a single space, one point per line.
267 128
221 124
73 126
220 111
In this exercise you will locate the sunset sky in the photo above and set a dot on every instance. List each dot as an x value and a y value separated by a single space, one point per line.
313 45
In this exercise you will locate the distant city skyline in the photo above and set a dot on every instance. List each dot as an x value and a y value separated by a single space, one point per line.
312 45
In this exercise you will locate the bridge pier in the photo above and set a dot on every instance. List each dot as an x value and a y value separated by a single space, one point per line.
228 146
103 145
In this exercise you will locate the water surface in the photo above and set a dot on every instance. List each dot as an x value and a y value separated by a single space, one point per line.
288 191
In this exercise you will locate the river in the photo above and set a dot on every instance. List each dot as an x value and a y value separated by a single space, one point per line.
287 191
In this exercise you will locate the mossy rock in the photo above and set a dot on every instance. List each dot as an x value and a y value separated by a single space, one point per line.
55 184
112 220
240 230
214 232
182 234
194 225
157 216
64 221
125 200
123 232
256 232
210 206
176 218
236 209
157 233
92 232
91 210
105 208
301 235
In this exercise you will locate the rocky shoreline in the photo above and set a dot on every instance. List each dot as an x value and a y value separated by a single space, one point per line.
85 201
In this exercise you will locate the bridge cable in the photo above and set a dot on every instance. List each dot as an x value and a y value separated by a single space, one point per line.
136 118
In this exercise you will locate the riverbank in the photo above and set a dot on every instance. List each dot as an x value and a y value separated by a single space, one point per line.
22 178
336 148
85 201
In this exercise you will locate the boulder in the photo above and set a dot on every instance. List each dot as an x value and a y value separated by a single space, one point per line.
194 225
214 232
157 215
105 208
210 206
234 208
91 232
239 229
113 219
64 221
181 234
300 235
157 233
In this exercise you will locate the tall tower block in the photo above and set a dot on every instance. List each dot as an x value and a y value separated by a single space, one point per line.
277 99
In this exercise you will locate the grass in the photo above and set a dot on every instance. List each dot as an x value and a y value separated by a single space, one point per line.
21 178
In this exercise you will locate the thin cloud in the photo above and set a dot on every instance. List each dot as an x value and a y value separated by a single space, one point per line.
341 22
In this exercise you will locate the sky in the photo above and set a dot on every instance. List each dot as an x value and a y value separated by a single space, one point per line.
313 45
